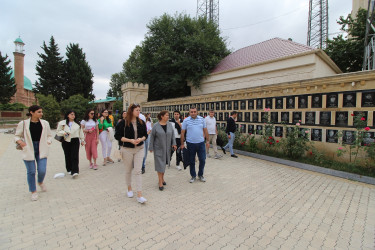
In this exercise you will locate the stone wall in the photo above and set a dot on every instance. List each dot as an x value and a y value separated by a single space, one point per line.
323 105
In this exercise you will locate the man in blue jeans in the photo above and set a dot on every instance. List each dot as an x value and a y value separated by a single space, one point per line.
230 130
196 132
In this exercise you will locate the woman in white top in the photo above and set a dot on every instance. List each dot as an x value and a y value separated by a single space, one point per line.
34 136
72 133
91 130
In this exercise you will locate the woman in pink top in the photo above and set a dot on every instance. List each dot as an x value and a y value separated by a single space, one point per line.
90 128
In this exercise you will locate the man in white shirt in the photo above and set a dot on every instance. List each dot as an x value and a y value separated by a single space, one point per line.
212 131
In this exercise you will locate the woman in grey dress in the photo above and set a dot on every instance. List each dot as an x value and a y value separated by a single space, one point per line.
162 140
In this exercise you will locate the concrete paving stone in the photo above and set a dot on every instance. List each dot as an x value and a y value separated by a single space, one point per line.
245 203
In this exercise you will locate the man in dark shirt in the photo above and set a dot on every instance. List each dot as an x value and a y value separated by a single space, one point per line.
230 130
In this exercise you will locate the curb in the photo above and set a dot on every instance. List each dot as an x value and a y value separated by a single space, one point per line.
332 172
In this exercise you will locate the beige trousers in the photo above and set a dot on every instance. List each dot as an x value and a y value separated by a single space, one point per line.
133 157
213 141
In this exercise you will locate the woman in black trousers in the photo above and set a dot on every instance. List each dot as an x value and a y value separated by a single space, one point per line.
73 134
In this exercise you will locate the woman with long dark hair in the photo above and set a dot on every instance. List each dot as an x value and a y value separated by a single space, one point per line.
34 136
162 141
105 125
73 134
90 127
132 133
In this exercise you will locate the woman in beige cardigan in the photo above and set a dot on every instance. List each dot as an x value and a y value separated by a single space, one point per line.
34 136
73 134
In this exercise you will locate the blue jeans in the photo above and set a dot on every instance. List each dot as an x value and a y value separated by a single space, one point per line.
200 150
31 169
230 143
146 149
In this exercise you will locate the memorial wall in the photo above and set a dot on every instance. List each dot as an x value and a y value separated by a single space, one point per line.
322 105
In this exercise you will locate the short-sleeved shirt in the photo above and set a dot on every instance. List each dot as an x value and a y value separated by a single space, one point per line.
90 124
211 125
194 129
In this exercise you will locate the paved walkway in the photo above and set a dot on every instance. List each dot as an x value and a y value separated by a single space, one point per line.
246 203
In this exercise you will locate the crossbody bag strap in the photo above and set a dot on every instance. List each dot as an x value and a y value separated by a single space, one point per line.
124 132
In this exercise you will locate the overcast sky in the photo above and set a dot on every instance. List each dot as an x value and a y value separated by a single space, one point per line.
109 30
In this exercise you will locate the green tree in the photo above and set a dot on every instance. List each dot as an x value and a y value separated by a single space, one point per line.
78 75
7 84
50 70
176 51
347 52
117 80
51 109
78 104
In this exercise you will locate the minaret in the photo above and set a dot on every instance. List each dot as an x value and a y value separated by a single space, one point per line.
19 69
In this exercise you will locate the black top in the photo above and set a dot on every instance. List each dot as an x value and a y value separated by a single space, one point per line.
129 132
35 130
164 127
231 126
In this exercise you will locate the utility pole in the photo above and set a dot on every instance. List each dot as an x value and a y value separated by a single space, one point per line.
317 33
369 51
208 9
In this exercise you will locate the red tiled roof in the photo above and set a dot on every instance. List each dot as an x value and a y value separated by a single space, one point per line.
265 51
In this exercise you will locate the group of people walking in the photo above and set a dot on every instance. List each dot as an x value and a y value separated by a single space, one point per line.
136 136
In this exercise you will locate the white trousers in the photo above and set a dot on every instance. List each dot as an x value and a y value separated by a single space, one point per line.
106 144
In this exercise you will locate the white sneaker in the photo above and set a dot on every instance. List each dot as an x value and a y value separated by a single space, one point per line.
178 167
141 200
130 194
218 156
69 173
34 196
75 175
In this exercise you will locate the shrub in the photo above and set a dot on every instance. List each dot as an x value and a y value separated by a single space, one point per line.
51 109
12 107
78 104
296 142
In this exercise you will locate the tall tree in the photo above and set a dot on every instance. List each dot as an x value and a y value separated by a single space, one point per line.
78 74
7 84
117 80
347 52
50 70
176 51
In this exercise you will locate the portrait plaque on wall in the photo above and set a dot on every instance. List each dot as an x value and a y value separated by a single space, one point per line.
221 118
349 100
255 117
201 114
186 107
229 105
198 107
215 115
259 130
207 106
332 136
223 106
226 116
289 130
250 104
316 101
259 103
212 105
341 119
368 99
235 105
302 133
279 103
269 103
310 118
278 131
250 129
243 128
243 104
297 116
237 126
290 102
368 138
264 117
203 107
205 114
239 117
332 100
223 125
217 104
247 116
302 101
316 135
275 117
285 117
325 118
348 137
